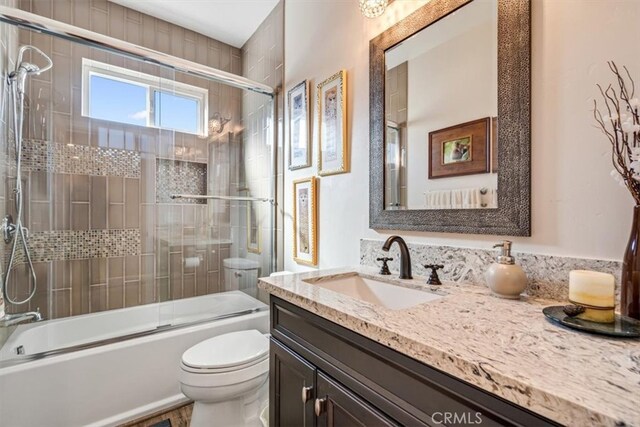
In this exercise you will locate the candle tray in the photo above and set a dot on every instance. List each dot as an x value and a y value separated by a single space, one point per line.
623 326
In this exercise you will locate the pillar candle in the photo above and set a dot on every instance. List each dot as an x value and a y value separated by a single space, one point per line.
593 290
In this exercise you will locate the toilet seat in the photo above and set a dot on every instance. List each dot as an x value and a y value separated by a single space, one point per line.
211 379
213 370
227 352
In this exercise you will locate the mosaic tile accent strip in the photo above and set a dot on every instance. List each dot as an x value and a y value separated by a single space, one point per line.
548 275
179 177
79 159
80 244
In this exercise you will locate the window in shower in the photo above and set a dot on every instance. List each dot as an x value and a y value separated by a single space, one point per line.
175 111
120 95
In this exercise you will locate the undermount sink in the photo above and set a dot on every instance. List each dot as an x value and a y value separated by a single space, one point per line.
375 292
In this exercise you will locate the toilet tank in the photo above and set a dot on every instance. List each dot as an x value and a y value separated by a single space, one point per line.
241 274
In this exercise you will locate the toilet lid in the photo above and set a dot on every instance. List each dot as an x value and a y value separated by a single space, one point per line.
227 350
241 264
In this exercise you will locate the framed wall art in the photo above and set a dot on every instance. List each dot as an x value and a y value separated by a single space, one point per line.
299 141
460 150
305 216
333 155
254 238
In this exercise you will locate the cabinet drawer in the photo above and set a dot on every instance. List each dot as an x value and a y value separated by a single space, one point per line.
407 390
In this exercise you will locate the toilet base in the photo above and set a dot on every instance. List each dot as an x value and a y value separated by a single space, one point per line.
243 411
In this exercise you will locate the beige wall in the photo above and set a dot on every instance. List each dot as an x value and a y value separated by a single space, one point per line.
578 210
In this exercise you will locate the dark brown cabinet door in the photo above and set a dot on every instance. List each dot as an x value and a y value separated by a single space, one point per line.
291 388
336 406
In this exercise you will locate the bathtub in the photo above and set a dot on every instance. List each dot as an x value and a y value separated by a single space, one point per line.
108 368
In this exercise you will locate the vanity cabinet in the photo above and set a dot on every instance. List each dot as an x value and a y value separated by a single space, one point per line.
299 389
323 374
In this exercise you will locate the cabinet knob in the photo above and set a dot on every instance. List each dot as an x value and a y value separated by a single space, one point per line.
320 406
306 393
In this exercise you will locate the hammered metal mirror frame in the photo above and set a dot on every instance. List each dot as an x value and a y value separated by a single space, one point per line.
513 215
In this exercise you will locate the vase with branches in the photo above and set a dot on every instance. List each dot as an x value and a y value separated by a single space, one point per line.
618 118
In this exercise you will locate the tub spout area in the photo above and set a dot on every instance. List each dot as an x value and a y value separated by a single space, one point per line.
17 318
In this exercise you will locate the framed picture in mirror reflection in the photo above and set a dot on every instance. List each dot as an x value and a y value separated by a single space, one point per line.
459 150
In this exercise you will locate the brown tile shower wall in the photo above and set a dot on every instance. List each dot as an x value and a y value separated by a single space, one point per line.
263 59
89 179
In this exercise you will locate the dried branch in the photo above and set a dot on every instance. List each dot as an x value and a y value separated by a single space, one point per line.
621 126
633 85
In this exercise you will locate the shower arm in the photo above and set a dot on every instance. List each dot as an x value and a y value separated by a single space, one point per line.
232 198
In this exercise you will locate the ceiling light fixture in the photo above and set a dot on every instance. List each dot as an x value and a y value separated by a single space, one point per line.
373 8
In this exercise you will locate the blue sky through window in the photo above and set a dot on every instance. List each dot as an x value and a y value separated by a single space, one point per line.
176 112
118 101
122 101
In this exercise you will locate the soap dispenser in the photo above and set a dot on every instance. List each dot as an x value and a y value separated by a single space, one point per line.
505 278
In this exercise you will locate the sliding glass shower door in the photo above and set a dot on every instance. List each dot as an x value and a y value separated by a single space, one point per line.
109 142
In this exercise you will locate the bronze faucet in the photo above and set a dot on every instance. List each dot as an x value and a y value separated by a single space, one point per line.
405 258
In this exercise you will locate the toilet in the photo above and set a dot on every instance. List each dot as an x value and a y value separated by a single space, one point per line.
227 378
241 274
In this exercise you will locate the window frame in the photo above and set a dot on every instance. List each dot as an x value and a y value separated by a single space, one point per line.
153 84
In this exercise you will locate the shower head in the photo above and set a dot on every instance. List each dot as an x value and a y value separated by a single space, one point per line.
29 68
23 68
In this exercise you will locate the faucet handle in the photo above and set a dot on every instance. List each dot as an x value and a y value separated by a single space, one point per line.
384 270
433 277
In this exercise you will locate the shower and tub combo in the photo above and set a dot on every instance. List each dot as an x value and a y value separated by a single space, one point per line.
169 298
16 232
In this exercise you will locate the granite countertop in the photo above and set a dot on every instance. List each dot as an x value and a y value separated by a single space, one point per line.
503 346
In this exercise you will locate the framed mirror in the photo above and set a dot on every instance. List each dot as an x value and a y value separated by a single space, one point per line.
450 98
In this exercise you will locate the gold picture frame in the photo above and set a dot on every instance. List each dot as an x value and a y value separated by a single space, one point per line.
254 236
333 151
305 221
299 126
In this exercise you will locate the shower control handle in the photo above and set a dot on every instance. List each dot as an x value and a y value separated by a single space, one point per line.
307 393
320 406
8 228
237 275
